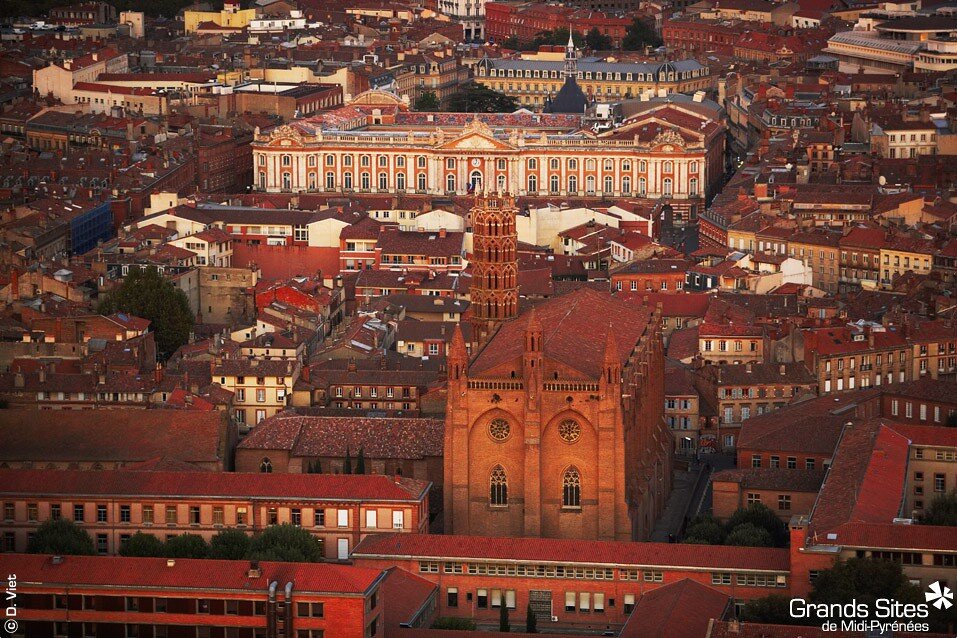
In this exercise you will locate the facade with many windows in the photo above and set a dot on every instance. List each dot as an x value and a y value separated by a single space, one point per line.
187 598
112 505
580 585
665 150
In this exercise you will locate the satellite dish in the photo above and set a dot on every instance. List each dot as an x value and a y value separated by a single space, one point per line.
882 180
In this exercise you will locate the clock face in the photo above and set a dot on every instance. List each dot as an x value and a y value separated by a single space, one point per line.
476 161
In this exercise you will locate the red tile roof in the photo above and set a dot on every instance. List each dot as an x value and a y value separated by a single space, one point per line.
680 610
937 436
184 573
252 485
866 479
126 436
553 550
385 438
572 332
912 538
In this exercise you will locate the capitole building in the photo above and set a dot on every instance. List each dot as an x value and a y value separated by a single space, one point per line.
554 426
666 147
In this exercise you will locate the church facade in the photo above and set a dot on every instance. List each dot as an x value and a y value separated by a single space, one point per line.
554 426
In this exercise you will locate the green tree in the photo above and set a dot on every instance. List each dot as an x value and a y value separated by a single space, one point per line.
503 618
229 544
143 545
347 464
705 530
186 546
61 536
286 543
774 609
866 580
145 293
511 42
597 41
427 102
531 620
477 98
749 535
761 516
639 35
361 462
941 511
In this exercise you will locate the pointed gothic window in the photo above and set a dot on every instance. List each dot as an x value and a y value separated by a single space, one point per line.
571 488
498 487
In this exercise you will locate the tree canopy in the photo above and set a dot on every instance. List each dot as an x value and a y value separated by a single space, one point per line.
229 544
61 536
427 102
639 35
187 546
755 525
477 98
941 511
598 41
145 293
866 580
143 545
286 543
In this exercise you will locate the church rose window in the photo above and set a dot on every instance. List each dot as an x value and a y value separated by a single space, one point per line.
569 430
499 429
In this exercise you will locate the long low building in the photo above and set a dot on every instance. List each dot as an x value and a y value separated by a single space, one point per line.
167 598
112 505
569 583
664 149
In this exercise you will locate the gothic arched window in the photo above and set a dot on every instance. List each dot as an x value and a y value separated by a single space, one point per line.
266 465
571 488
498 487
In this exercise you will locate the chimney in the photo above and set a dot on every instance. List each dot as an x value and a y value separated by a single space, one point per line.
747 368
782 370
441 232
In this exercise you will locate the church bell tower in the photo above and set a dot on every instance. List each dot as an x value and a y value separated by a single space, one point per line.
494 289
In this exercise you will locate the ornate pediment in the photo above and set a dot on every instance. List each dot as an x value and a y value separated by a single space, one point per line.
475 141
285 132
669 137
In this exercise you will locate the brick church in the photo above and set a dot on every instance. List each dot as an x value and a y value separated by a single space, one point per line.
554 425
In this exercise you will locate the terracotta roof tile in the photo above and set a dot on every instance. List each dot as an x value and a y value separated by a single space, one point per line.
217 575
679 610
564 321
547 550
256 485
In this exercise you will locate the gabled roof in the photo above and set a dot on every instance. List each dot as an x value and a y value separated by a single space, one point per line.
677 610
866 480
571 333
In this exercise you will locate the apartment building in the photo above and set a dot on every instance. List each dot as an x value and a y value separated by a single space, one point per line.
112 505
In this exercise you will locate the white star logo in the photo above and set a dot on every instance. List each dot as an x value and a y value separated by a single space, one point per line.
939 596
